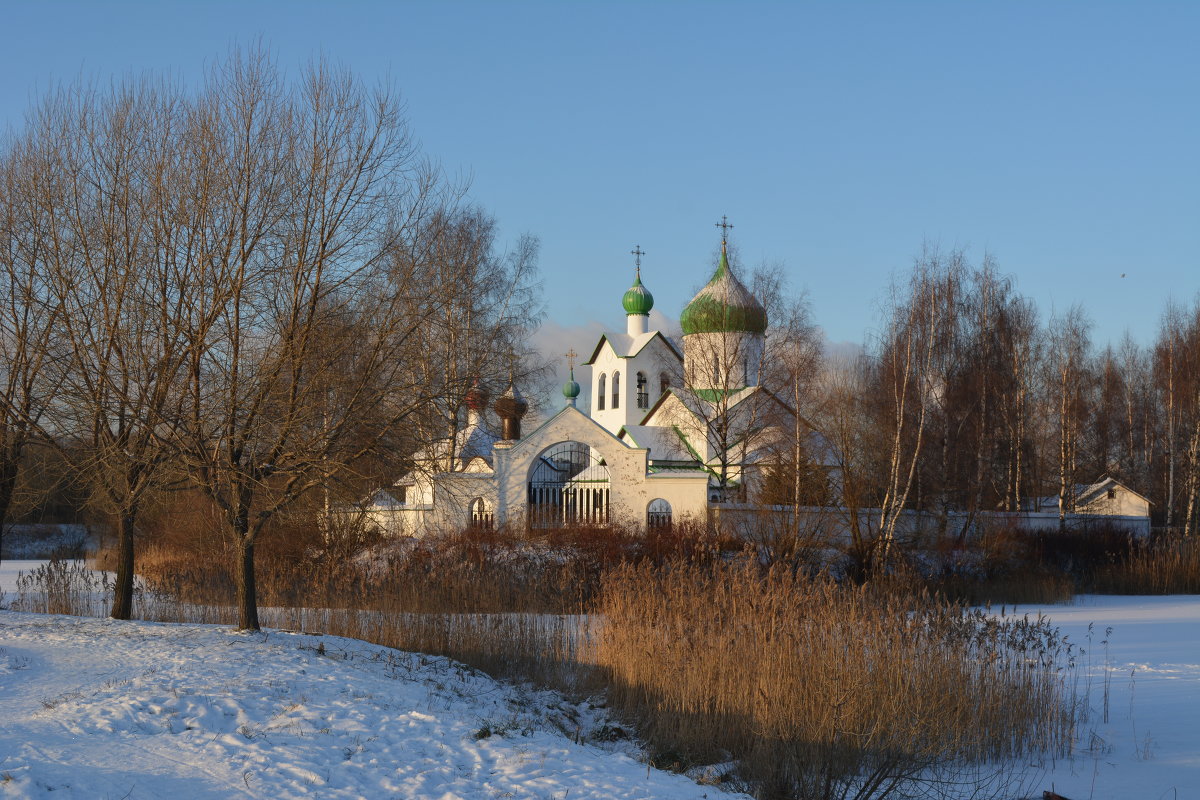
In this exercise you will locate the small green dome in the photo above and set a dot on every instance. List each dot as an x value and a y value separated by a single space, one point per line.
638 299
724 305
571 388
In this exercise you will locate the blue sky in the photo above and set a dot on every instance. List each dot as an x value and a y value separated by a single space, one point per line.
1061 137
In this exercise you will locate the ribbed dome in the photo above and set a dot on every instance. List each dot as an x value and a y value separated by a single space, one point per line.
638 299
724 305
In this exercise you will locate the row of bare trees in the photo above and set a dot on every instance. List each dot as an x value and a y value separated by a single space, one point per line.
256 290
967 401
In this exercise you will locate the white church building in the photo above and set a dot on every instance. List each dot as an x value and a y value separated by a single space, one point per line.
672 428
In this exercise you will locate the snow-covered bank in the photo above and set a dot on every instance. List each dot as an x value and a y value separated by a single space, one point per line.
1149 747
44 541
94 708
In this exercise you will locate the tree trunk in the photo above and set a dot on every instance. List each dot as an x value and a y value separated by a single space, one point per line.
122 607
8 482
1192 481
1063 458
1170 440
247 595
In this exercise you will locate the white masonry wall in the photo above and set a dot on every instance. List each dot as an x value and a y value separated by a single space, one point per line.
631 489
653 360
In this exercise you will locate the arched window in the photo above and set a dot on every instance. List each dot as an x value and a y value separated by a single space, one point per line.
658 515
616 390
643 395
600 394
482 517
664 382
568 486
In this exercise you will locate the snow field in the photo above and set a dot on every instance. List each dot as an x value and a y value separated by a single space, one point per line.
95 708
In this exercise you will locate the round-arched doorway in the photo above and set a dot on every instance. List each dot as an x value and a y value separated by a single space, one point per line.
568 485
658 515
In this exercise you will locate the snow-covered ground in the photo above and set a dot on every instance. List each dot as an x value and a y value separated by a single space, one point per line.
93 708
1149 747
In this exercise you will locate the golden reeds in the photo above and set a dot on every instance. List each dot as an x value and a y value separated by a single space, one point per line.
814 687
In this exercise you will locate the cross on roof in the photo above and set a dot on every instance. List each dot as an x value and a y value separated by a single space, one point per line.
637 253
571 356
724 226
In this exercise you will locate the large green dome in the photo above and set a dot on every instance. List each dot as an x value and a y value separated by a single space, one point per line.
638 299
724 305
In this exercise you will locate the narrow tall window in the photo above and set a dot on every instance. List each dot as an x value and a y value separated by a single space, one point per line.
664 382
616 391
643 396
600 394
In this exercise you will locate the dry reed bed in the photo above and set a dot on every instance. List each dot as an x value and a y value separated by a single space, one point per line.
1170 565
820 690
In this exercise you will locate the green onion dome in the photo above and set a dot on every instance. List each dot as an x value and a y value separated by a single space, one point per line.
571 388
638 299
724 305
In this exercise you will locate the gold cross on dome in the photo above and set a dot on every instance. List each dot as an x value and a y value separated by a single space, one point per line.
571 356
724 226
637 253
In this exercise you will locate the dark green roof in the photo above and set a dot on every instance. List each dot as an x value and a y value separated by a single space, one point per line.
724 305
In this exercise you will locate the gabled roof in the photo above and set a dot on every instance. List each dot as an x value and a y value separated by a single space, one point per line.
704 407
626 346
384 499
1085 494
663 443
474 441
529 437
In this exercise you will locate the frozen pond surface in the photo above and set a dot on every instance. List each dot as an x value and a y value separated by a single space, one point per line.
1149 749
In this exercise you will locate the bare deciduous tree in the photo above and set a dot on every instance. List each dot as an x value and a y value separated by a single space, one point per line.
29 312
314 187
1068 354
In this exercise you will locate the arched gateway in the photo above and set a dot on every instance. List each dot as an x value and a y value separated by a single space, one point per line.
568 485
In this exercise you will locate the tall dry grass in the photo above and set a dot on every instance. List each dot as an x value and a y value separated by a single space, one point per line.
63 587
513 605
822 691
1168 565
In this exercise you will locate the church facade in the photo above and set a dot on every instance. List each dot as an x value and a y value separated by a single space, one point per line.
672 428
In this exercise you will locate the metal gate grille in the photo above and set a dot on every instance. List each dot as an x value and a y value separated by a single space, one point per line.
568 486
